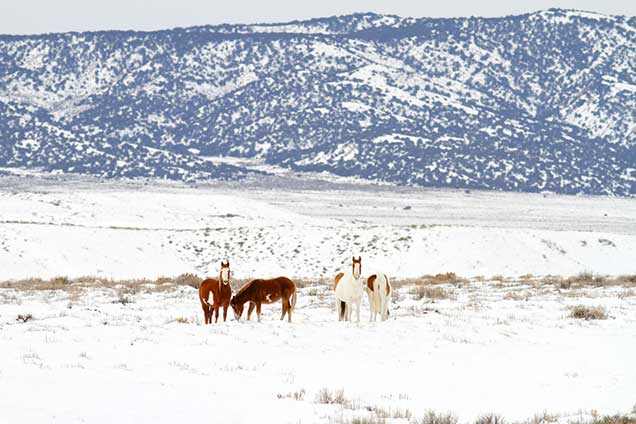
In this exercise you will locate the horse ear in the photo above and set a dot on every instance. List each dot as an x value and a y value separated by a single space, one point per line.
359 258
353 258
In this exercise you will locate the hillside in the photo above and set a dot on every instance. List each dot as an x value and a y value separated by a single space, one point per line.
544 101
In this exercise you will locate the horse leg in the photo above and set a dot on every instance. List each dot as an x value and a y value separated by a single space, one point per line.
289 309
258 311
225 312
205 313
383 310
250 310
216 313
358 309
284 302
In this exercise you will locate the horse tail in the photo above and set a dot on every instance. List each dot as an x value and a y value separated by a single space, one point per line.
387 290
342 308
293 300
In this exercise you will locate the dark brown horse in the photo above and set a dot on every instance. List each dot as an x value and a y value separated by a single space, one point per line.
261 291
216 293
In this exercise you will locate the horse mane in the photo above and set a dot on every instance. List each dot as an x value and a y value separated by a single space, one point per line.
244 288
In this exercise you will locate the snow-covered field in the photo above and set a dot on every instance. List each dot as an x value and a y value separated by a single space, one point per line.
133 230
505 347
494 344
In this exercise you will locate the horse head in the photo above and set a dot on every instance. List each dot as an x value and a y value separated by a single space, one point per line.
237 307
356 267
225 272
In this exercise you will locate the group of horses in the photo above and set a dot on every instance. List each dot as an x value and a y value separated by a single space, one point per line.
348 288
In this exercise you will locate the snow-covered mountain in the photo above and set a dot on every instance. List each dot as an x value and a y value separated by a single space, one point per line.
543 101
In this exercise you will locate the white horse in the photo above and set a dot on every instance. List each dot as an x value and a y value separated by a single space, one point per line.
378 290
348 287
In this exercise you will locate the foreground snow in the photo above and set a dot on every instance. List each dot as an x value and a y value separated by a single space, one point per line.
503 347
130 230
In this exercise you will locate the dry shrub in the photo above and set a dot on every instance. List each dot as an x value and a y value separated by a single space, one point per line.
327 396
432 417
608 419
367 420
627 293
588 278
447 278
514 296
588 312
380 412
302 283
626 279
24 318
490 419
134 285
188 280
542 418
297 395
434 293
123 299
182 320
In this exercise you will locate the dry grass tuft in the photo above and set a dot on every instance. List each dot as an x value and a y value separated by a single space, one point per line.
588 312
608 419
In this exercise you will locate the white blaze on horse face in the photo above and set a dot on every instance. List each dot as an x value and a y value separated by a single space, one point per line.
225 275
356 270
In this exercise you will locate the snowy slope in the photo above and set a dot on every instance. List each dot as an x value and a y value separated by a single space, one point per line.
139 231
505 348
543 101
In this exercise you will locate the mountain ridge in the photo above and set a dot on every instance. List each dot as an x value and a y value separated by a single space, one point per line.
541 101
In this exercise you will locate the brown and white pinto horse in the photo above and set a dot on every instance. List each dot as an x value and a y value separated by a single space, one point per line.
379 293
262 291
216 293
348 288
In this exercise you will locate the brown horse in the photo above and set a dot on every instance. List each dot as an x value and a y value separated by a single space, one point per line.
261 291
216 293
